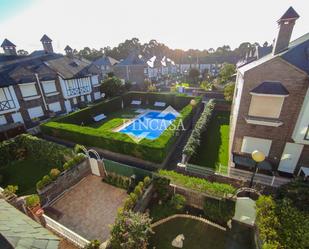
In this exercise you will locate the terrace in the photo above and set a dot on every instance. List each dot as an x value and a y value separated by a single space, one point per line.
88 208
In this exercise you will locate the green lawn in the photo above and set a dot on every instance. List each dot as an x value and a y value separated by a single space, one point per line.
25 174
213 150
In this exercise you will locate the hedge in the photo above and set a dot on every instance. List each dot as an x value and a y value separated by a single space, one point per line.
201 124
34 146
210 188
150 150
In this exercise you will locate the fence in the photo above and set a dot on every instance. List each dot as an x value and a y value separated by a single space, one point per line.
199 170
125 170
274 181
65 232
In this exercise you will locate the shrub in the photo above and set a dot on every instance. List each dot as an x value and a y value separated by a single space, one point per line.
220 211
94 244
198 184
54 173
201 124
78 148
177 202
117 180
138 191
131 231
32 201
147 181
74 161
40 184
10 190
161 185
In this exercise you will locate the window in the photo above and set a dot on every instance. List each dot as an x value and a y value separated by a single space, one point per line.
28 90
250 144
94 80
2 120
97 95
265 106
55 107
35 112
2 95
49 86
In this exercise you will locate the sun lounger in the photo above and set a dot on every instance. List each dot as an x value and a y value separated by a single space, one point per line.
136 102
160 104
99 117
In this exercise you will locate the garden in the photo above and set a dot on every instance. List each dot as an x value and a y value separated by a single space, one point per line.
213 149
27 159
79 127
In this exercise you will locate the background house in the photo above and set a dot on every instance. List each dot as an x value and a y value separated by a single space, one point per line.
271 104
106 64
42 84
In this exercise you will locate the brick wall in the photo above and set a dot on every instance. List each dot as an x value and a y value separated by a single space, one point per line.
296 82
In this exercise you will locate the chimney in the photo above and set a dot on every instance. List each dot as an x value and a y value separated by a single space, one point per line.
9 48
68 51
286 25
47 44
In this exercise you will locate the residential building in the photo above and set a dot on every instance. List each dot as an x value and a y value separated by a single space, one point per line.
106 64
160 66
43 84
132 69
270 111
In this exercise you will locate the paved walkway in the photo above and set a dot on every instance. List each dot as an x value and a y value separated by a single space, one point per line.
89 207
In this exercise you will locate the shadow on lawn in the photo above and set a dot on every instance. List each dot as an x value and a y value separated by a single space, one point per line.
213 149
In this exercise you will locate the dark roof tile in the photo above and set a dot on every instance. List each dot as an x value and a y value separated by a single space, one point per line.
289 14
7 43
272 88
45 38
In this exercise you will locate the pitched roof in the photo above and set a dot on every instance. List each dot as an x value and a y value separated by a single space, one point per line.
7 43
105 61
67 48
45 38
289 14
272 88
132 59
23 232
296 54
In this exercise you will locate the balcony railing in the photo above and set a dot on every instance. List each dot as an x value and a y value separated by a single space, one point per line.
7 105
79 90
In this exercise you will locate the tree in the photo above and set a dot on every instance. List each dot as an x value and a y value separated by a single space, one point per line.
112 86
229 91
130 231
226 73
193 75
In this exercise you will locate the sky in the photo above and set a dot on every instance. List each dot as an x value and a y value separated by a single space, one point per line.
184 24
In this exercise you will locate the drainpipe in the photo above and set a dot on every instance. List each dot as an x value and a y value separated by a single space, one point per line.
41 91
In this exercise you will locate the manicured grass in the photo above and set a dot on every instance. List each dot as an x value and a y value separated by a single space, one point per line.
213 150
197 235
25 174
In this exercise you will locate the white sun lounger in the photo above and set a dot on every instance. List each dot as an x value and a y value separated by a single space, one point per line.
136 102
160 104
99 117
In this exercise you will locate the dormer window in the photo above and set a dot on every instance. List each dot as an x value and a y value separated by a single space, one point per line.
267 100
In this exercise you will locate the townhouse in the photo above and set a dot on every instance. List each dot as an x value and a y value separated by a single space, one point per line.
132 69
160 66
270 111
43 84
106 64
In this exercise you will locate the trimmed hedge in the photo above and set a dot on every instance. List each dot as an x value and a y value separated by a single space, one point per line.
211 188
149 150
34 147
201 124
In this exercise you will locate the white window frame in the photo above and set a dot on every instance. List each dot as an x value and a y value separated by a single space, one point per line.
49 87
29 96
52 106
36 116
3 120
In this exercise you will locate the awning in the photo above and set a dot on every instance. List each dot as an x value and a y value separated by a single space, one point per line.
250 163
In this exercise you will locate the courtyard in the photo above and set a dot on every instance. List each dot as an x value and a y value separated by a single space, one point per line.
88 208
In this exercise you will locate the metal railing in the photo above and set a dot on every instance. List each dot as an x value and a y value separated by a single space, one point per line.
274 181
7 105
65 232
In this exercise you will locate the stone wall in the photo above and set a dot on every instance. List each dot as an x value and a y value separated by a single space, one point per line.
66 180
